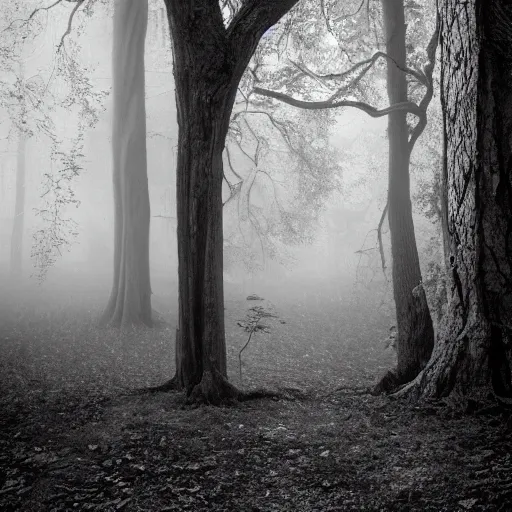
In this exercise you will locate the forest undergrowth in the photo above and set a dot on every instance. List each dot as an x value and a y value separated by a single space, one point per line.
74 437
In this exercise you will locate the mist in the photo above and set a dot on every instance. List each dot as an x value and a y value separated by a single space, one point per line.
328 155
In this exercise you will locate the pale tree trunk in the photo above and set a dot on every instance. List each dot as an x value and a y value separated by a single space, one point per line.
130 299
16 260
473 353
209 61
415 332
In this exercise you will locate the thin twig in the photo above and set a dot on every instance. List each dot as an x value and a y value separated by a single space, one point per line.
243 348
379 236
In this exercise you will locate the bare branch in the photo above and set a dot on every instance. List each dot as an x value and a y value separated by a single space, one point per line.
327 20
228 154
70 22
371 61
238 143
379 236
345 16
165 217
33 13
309 73
258 143
428 71
405 106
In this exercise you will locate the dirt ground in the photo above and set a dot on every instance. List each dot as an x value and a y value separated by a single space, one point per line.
74 437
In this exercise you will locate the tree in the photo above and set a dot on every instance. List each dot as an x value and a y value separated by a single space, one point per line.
16 260
415 330
130 299
473 353
210 57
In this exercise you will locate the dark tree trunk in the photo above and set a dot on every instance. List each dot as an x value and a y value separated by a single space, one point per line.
209 61
130 299
16 261
414 325
473 354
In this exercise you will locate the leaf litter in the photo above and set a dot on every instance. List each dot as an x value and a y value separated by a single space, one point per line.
73 438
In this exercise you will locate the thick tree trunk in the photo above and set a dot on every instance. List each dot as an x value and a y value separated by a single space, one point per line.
16 260
130 299
204 96
209 61
473 354
414 325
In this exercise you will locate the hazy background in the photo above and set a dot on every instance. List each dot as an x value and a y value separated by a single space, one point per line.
328 270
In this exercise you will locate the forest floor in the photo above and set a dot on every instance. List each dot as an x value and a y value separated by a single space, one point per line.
72 437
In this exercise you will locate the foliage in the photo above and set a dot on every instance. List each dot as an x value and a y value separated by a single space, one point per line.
58 229
36 105
295 172
252 324
296 168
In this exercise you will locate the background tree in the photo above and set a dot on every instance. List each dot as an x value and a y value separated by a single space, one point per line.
16 260
415 330
210 57
130 299
473 353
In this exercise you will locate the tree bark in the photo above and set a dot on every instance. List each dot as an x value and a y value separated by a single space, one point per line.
415 332
209 61
130 299
16 260
473 354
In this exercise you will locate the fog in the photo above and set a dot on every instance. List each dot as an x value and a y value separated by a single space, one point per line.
340 263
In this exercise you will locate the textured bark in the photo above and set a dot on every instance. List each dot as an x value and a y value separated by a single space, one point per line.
16 260
209 61
130 299
415 332
473 354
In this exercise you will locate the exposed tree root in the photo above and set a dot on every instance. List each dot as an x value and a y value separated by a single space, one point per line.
388 384
214 389
170 385
350 390
217 390
449 376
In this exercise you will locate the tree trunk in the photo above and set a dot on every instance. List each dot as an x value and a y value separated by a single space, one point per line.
209 61
130 299
414 325
16 261
204 97
473 354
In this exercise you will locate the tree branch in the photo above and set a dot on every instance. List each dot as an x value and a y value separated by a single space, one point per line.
303 69
33 13
428 71
345 16
250 23
379 236
70 22
405 106
370 62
